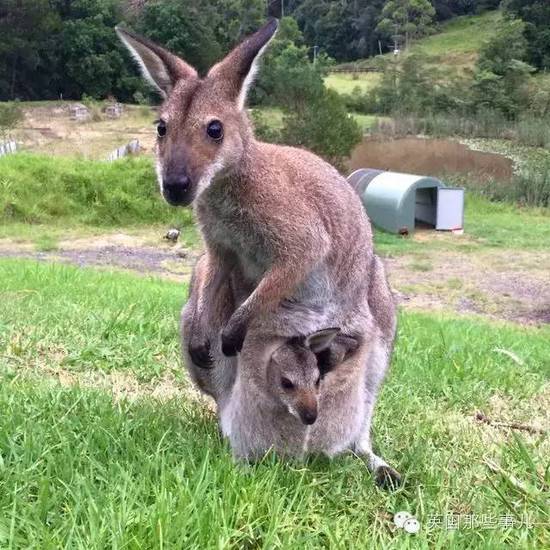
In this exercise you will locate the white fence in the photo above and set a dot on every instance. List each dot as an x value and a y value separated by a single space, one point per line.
131 148
8 148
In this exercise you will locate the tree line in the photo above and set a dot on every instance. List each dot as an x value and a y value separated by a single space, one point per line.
67 48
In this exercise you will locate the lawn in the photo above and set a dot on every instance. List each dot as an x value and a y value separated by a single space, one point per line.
464 34
488 225
87 463
345 83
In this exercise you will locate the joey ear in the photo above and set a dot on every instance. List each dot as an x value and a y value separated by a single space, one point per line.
160 67
322 339
235 73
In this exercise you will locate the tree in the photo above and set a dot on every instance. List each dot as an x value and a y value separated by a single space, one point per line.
536 15
90 55
325 127
501 76
314 117
10 116
410 18
288 77
29 29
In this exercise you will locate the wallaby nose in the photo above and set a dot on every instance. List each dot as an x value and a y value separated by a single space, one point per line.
308 416
176 189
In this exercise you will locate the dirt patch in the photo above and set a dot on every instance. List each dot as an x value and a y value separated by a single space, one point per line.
497 283
49 130
119 250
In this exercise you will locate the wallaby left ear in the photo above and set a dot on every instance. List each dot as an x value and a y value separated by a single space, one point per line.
322 339
236 71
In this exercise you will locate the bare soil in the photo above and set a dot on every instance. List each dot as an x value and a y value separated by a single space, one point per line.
495 283
49 130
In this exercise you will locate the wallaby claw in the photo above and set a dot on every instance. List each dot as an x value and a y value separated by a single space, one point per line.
387 478
201 356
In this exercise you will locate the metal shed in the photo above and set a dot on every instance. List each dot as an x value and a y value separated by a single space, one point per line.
399 202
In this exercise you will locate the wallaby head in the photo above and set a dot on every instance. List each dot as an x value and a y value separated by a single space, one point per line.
203 129
294 376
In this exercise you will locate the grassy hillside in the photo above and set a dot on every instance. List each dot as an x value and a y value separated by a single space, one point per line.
103 445
37 189
462 35
454 46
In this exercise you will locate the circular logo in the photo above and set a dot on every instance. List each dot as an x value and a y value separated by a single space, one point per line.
407 522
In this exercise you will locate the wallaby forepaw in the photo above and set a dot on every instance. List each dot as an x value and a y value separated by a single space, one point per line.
201 356
387 478
232 340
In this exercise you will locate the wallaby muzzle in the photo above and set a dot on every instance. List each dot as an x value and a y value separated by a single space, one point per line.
177 189
308 415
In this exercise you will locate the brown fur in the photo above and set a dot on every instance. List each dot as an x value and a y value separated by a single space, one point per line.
280 219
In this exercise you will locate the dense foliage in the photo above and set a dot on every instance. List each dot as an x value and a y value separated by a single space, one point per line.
536 15
500 82
53 48
407 19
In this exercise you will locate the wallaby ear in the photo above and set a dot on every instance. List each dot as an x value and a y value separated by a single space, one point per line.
236 71
322 339
160 67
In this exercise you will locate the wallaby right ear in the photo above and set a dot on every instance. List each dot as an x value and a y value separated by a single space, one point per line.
160 67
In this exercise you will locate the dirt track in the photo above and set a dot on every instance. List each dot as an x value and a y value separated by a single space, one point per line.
495 283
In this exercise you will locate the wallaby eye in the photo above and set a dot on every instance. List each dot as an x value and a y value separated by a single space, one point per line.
286 383
215 130
161 128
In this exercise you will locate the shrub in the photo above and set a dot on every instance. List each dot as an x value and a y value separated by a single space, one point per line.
11 115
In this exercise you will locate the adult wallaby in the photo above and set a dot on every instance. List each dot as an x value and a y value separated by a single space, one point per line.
280 385
286 219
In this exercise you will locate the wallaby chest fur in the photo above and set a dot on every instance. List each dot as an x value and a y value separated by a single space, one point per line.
285 204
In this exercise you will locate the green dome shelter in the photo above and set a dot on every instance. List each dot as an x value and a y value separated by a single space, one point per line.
399 202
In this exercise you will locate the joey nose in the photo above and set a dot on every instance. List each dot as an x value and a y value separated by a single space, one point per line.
308 416
177 189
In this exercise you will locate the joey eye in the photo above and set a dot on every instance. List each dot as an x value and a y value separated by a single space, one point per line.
215 130
286 383
161 128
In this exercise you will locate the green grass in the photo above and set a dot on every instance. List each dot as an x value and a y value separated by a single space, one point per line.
345 83
486 225
46 243
80 470
464 34
365 121
455 45
36 189
270 116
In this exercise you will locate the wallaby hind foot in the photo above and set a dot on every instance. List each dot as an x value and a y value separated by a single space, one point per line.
387 478
384 475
